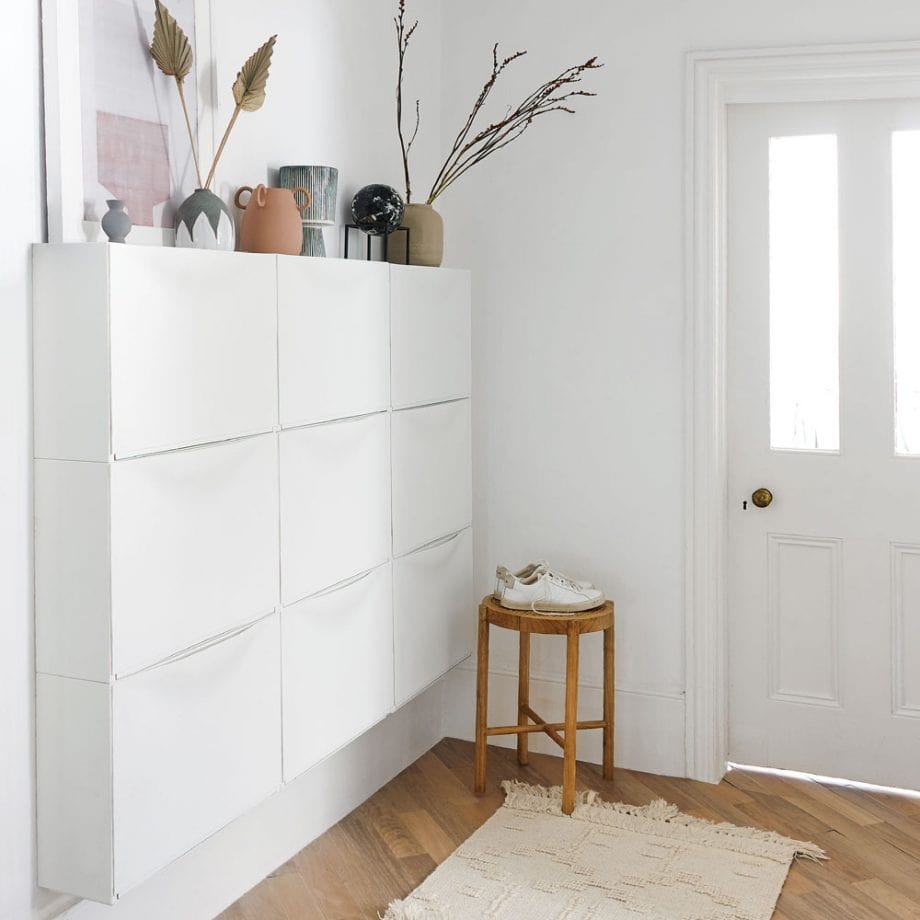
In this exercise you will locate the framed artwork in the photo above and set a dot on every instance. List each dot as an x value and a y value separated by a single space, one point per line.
114 127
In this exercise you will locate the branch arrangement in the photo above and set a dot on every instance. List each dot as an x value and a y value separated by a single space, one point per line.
469 148
172 52
402 43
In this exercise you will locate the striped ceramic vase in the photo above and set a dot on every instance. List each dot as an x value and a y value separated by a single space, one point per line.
322 184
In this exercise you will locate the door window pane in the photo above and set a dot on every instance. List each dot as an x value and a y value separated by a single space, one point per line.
804 294
905 157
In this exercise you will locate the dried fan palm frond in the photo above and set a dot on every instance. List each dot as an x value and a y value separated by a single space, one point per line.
172 52
248 93
249 87
171 48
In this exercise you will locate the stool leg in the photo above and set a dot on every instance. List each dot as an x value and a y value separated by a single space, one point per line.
482 701
523 697
571 719
608 703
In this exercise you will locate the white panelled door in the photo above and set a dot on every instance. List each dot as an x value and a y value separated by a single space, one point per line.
823 396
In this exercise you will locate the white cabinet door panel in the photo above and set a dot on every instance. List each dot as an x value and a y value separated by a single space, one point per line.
193 347
336 647
196 742
149 556
432 481
434 613
194 546
430 328
335 503
333 339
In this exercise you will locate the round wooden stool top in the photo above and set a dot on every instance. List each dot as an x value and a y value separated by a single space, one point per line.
547 624
526 623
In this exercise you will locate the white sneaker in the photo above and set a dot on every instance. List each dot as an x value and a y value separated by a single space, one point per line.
532 568
547 592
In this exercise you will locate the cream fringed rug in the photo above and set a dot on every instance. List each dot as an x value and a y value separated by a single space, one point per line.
605 862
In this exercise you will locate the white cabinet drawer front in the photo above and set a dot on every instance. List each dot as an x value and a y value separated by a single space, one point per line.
194 546
430 328
193 347
196 742
335 503
432 473
337 668
434 613
333 339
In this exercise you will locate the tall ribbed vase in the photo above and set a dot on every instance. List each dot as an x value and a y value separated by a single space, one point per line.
322 184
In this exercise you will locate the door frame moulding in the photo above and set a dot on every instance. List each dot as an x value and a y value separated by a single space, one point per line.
714 81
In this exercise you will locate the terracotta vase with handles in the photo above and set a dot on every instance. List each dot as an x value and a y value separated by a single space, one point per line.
272 221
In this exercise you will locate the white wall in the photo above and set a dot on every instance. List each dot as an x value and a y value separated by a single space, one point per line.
575 239
21 225
330 100
331 93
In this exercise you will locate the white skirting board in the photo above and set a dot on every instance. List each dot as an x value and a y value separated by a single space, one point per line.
649 724
204 881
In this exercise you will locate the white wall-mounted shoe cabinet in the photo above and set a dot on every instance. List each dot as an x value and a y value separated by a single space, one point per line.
252 496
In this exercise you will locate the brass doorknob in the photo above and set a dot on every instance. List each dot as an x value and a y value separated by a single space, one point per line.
762 497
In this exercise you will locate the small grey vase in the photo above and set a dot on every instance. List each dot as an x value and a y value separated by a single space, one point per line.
115 222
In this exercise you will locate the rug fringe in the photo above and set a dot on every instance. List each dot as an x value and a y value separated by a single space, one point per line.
666 819
403 910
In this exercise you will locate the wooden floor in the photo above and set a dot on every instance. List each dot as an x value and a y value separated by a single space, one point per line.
388 845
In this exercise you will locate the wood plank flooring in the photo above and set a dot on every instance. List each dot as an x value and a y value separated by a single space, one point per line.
388 845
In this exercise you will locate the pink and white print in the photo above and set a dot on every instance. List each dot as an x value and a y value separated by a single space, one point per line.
134 143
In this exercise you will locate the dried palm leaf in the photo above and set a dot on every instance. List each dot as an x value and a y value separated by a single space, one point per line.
172 52
248 93
170 48
249 87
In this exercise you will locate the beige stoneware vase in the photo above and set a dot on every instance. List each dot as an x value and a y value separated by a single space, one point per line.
426 237
272 220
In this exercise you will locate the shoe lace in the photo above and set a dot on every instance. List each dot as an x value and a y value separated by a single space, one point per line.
563 580
559 580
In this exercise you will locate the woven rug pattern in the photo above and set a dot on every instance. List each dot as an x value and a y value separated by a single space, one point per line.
605 862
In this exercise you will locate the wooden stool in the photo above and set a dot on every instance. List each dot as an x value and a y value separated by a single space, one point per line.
571 626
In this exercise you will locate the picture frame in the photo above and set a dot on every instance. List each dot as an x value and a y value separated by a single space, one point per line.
65 98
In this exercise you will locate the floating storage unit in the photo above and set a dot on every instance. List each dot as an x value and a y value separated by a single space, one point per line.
234 520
